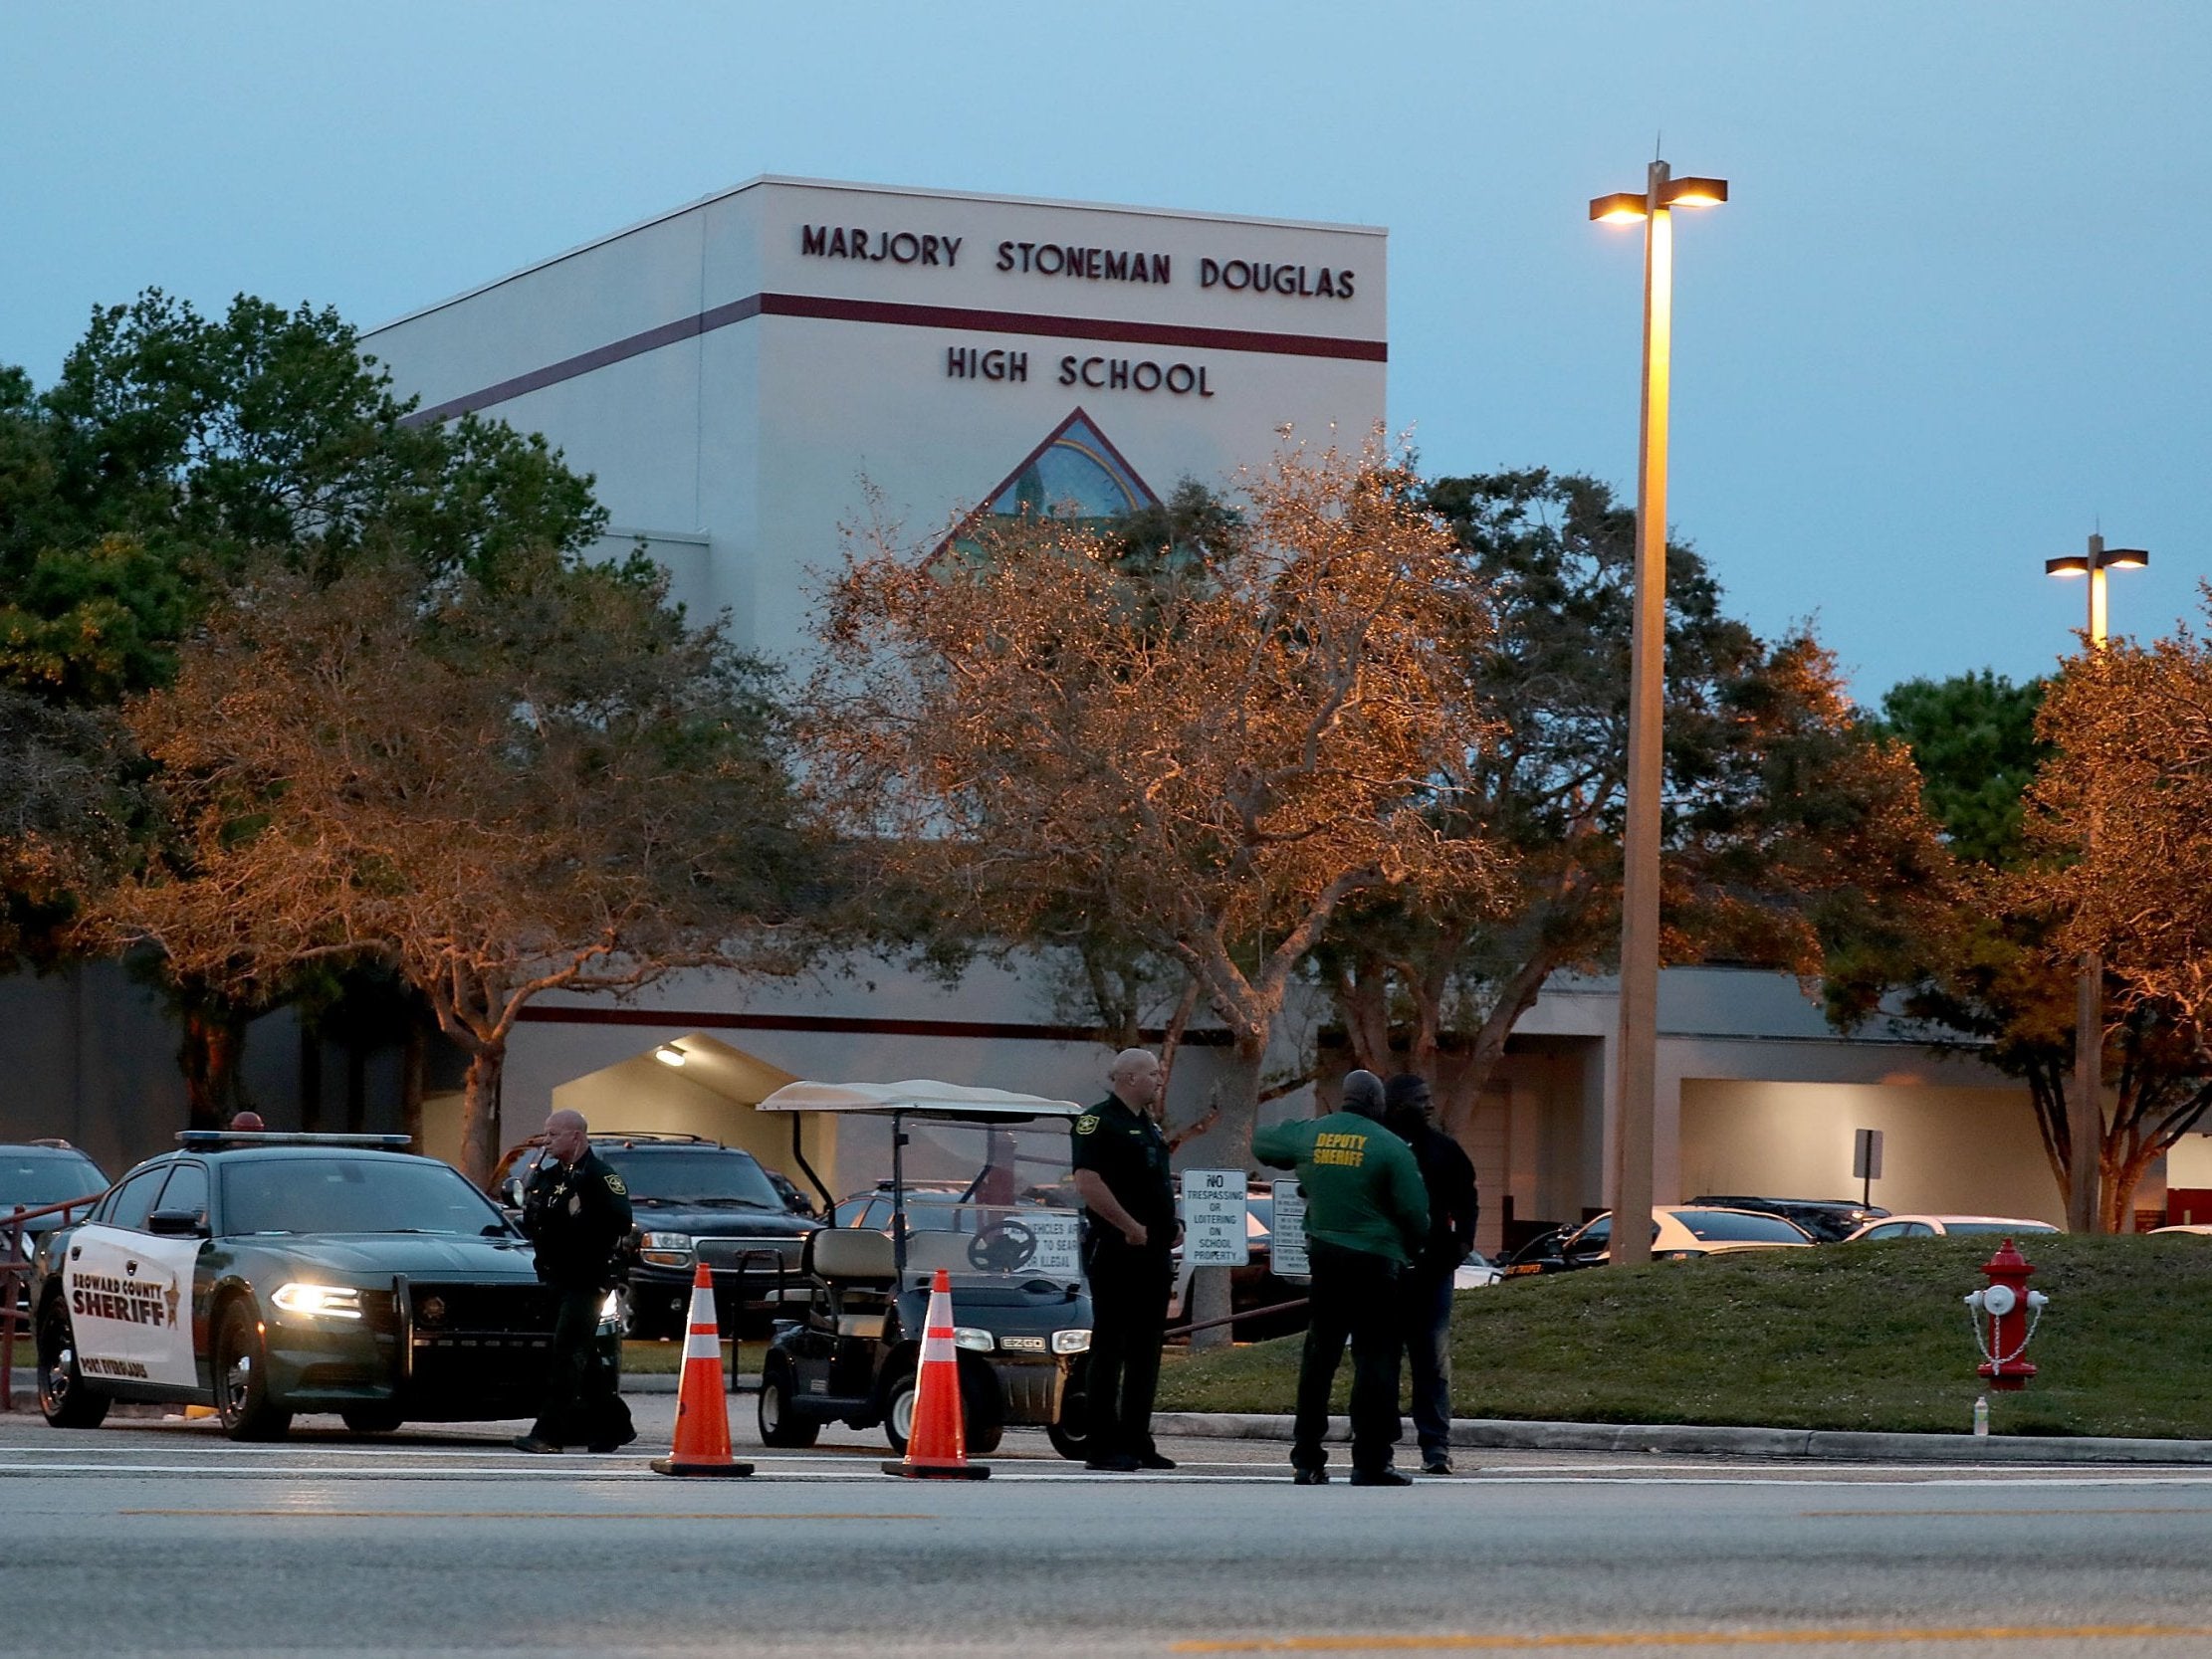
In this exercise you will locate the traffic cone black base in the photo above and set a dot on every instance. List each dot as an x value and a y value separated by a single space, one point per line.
931 1472
669 1466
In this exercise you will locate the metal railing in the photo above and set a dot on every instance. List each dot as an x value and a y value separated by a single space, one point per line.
15 1281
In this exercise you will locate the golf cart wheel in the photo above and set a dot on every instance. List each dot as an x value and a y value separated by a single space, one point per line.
780 1424
63 1396
982 1418
242 1378
1071 1435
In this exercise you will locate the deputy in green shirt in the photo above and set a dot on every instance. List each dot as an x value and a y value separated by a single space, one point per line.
1367 1216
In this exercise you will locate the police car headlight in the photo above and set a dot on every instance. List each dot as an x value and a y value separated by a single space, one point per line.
967 1335
319 1300
1071 1341
666 1249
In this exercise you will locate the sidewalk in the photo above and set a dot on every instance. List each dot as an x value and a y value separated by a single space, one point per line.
1824 1445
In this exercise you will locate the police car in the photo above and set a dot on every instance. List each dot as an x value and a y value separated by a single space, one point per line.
270 1273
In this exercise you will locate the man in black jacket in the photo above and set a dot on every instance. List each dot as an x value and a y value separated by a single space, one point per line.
576 1211
1425 1291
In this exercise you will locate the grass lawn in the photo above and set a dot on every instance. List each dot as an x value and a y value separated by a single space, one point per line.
666 1359
1859 1337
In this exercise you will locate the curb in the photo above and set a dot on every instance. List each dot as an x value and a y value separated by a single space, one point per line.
1825 1445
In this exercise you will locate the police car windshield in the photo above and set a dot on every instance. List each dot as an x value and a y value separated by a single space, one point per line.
692 1175
352 1195
34 1180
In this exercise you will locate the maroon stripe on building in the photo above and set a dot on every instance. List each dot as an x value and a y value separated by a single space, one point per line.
968 320
692 1019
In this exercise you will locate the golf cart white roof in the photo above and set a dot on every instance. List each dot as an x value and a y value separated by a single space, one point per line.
920 1095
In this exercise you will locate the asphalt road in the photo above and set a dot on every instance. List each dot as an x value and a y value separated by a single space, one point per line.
164 1537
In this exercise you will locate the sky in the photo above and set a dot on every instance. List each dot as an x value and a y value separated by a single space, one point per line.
1952 321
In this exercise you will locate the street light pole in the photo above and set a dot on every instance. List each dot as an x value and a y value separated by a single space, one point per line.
2085 1110
1636 1056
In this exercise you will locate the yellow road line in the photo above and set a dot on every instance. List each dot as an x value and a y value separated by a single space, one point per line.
1463 1643
2171 1509
540 1515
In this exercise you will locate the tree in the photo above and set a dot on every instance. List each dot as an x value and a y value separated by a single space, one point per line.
2119 817
496 788
1982 974
67 814
170 451
1200 756
1784 819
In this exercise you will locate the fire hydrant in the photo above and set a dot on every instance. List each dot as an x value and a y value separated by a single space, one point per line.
2005 1314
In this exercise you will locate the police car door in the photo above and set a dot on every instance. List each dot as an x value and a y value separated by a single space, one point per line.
127 1298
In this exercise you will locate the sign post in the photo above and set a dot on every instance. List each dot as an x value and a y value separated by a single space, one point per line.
1286 1242
1214 1228
1866 1162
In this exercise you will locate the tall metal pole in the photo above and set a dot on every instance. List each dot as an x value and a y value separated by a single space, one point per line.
2084 1119
1635 1066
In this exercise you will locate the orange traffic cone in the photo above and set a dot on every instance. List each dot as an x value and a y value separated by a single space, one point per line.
702 1405
936 1447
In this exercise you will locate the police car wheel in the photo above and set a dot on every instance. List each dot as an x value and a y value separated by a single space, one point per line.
779 1424
242 1379
63 1396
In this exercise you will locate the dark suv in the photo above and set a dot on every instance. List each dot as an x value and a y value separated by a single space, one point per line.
694 1200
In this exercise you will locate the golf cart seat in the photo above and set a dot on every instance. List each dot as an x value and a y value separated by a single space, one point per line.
857 1258
857 1272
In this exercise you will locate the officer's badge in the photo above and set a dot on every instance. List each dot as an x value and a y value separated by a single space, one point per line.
615 1186
1085 1124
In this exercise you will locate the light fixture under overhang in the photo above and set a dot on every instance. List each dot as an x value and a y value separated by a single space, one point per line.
2123 558
2071 564
667 1054
1621 208
1695 192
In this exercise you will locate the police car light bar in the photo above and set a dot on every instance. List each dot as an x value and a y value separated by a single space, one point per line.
273 1137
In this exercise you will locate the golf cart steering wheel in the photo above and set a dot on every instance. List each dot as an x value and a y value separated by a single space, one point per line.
1002 1247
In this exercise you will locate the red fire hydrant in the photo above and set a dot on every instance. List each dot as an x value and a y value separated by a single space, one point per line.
2005 1314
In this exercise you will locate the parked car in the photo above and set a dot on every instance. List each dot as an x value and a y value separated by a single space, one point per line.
35 1174
2197 1227
1935 1227
295 1273
693 1200
1680 1233
1475 1273
1829 1221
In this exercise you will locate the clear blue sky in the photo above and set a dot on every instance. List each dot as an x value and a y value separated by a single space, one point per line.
1955 312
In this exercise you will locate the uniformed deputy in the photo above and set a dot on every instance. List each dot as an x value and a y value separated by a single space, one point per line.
1366 1216
1121 1170
576 1211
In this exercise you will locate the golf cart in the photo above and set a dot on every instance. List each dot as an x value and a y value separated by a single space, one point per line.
1022 1313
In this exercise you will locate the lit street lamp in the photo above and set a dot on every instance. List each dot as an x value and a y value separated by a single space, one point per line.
1636 1062
2085 1117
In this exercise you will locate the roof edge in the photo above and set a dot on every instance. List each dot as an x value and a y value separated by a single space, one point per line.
758 179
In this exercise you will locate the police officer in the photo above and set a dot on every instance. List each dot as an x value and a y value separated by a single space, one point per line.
1129 1221
576 1211
1425 1292
1366 1216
